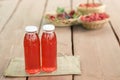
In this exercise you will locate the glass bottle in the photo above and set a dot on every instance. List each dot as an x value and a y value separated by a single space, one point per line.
32 50
49 48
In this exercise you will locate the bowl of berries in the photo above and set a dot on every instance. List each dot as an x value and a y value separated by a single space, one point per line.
94 20
62 18
87 8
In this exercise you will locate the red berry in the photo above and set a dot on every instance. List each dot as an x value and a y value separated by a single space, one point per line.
94 17
81 5
82 18
60 16
52 17
72 12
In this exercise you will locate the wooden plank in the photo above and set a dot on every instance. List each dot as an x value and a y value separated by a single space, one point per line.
52 78
113 8
11 38
7 8
63 38
99 52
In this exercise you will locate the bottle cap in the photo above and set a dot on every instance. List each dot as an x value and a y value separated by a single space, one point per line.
31 28
48 27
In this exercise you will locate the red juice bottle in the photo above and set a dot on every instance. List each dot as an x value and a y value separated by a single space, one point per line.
49 49
32 50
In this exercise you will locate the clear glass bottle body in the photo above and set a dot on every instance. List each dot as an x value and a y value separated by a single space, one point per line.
49 51
32 52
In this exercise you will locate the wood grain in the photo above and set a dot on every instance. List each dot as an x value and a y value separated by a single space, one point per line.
7 9
29 12
113 8
63 38
51 78
99 52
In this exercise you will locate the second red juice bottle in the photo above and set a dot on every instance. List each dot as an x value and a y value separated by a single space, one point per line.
49 49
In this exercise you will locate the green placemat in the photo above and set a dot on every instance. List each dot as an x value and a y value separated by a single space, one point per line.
66 65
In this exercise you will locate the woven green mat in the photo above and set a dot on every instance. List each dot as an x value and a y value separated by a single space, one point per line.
66 65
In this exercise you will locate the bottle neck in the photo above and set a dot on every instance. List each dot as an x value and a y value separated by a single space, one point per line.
32 32
48 31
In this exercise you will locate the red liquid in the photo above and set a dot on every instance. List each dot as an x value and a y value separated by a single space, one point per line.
32 53
49 52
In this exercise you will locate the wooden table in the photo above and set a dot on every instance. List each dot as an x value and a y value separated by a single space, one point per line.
99 50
